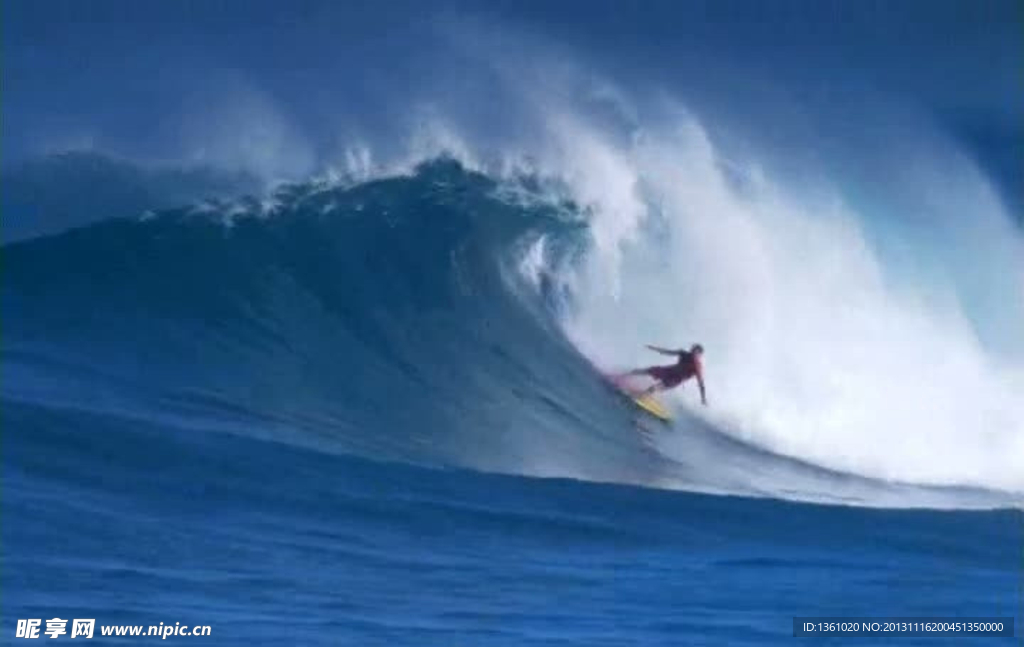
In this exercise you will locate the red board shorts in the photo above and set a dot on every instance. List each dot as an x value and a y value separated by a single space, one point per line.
669 376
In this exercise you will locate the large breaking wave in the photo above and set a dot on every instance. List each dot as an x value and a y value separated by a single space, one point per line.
458 313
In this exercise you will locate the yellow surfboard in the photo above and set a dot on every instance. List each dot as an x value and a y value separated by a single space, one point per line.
653 407
646 402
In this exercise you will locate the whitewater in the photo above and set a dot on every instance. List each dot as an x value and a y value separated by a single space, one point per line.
875 335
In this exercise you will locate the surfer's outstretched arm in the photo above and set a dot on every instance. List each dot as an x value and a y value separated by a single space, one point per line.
664 351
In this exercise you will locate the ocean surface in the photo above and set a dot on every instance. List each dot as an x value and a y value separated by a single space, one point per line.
363 411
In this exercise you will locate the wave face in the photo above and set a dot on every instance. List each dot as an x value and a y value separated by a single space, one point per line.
378 320
444 317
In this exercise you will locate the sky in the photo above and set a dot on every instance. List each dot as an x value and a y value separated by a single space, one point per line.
157 80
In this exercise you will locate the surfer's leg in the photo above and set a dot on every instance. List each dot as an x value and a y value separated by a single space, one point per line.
643 371
665 378
654 388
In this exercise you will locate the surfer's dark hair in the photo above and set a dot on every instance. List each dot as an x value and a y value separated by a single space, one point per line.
696 348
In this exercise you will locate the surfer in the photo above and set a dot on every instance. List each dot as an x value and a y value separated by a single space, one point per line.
688 365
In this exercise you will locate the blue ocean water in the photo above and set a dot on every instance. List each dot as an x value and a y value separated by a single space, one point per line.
340 417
